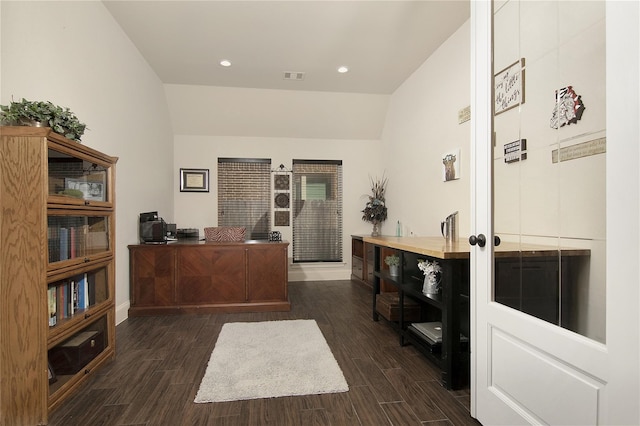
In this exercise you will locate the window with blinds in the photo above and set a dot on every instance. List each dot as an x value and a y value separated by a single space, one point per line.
244 199
317 211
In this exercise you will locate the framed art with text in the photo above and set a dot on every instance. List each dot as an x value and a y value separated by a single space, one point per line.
194 180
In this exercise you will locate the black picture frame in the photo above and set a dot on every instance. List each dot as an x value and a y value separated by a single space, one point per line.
194 180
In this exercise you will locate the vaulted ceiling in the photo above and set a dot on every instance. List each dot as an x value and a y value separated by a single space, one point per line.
381 42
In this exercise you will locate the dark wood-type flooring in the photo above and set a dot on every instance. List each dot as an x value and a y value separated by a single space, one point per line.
161 360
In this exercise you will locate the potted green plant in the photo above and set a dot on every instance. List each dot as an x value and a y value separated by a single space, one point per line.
393 261
42 114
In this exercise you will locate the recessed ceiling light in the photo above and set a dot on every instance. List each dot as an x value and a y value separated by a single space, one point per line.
225 63
343 69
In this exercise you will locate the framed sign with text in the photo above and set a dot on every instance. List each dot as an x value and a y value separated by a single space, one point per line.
509 87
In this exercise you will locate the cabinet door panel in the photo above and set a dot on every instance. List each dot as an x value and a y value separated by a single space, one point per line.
76 239
152 284
77 178
267 273
210 275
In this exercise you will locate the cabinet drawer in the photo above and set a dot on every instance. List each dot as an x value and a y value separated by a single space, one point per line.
357 267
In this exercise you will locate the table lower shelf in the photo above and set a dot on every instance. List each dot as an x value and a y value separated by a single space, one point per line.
433 350
454 378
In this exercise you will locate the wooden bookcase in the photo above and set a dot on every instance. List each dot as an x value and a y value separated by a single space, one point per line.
57 251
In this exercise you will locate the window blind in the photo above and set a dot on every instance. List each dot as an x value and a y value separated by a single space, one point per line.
244 199
317 211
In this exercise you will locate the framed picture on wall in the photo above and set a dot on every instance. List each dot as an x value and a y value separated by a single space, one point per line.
194 180
451 165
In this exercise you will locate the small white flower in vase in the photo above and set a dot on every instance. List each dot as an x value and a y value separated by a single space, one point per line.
432 276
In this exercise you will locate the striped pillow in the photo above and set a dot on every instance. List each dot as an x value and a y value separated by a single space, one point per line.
225 233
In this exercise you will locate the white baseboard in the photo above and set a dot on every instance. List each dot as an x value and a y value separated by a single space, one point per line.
318 272
122 312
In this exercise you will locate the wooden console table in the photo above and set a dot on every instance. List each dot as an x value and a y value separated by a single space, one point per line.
208 277
450 306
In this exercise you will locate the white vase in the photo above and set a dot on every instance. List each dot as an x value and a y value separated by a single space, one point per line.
431 285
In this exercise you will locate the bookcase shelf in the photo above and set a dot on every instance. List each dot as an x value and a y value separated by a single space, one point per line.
57 216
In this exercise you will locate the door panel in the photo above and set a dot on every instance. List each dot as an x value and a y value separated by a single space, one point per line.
553 193
571 398
538 339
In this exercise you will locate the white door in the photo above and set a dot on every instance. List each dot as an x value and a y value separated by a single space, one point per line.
575 360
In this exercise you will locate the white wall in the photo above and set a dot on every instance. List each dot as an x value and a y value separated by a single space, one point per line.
360 158
212 122
74 55
421 125
233 111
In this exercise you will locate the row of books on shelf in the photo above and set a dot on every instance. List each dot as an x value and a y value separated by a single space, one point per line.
66 243
75 241
70 296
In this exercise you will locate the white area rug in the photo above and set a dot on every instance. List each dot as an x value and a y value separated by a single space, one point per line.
269 359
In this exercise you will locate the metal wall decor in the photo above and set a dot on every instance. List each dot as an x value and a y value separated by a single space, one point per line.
281 182
281 195
281 218
568 108
282 200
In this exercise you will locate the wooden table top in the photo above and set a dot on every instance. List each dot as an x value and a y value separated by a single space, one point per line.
439 248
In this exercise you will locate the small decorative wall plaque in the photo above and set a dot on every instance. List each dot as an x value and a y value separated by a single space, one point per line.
282 200
515 151
281 218
584 149
281 182
464 115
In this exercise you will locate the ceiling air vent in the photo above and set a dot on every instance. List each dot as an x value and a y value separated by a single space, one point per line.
298 76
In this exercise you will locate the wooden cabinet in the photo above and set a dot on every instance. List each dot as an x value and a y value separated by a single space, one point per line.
57 269
362 261
188 277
